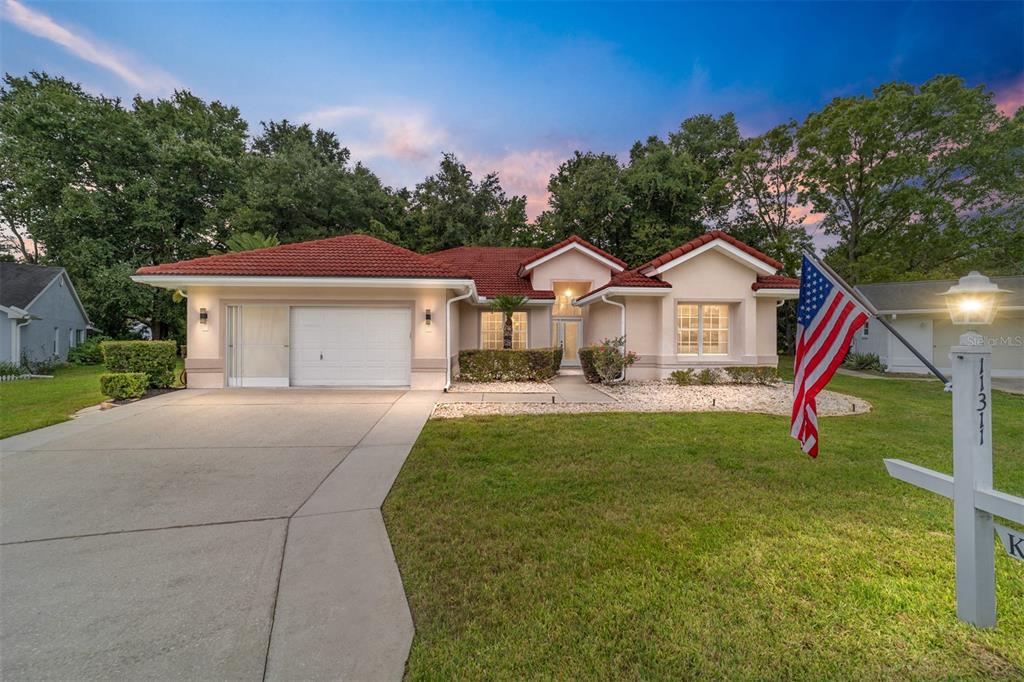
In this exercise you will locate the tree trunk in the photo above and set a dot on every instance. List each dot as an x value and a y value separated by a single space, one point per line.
507 341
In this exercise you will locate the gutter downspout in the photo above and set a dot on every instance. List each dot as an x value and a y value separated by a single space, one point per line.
16 342
448 337
622 328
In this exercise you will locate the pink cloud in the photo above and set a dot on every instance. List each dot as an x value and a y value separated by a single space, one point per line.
1011 97
524 172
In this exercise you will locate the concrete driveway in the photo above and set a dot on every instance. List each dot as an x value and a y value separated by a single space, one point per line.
231 534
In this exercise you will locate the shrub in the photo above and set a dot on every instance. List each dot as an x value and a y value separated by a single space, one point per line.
9 369
89 352
154 358
763 376
766 376
535 364
681 377
590 372
863 361
707 377
611 359
740 375
124 385
41 366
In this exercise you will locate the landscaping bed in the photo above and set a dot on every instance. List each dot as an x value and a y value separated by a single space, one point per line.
667 397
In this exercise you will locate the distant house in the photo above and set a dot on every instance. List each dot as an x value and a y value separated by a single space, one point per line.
44 316
918 312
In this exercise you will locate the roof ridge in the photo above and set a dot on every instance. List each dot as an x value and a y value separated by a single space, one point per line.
706 238
575 239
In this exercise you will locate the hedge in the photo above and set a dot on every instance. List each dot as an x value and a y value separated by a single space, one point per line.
535 364
89 352
156 359
590 372
124 385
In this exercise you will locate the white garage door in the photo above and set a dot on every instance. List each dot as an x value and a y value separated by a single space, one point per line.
350 346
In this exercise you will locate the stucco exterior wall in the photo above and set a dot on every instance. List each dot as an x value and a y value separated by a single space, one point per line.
651 320
58 311
570 266
207 343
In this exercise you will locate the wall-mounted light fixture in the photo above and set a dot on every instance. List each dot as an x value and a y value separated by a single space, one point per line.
204 316
428 317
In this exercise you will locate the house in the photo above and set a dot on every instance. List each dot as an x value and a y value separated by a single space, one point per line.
44 316
918 312
357 311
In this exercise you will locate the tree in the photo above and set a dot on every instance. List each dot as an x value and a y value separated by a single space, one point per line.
679 186
450 209
247 241
916 182
764 181
507 304
589 199
102 189
300 185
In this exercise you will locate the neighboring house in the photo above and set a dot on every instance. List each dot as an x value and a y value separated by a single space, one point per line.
357 311
43 314
918 312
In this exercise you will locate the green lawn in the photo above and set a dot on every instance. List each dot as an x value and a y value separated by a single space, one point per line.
31 404
697 546
34 403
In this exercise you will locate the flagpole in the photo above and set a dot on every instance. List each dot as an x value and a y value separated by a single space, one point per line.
874 313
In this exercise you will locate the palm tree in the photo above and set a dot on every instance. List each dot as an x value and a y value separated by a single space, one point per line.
507 304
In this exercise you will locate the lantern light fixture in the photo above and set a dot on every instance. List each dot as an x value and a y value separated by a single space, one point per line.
973 300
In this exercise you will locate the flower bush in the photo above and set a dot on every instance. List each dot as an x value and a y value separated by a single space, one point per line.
610 359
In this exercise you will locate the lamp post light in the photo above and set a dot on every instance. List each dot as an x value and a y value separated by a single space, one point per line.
973 303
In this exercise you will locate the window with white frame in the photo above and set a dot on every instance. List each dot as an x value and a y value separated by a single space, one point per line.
702 329
71 338
492 330
865 331
56 340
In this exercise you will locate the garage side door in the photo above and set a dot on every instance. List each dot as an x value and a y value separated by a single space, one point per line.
350 346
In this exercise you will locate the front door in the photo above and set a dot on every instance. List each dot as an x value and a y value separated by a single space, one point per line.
567 335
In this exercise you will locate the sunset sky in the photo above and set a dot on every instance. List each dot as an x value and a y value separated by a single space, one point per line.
509 87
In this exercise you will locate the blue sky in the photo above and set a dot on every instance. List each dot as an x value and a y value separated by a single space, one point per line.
512 87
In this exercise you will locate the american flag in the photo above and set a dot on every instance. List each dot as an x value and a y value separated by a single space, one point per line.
827 317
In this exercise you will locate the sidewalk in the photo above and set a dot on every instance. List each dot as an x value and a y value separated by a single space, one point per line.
571 388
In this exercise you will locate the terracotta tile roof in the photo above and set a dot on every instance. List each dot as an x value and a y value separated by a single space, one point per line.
353 255
630 279
494 268
573 240
775 282
701 241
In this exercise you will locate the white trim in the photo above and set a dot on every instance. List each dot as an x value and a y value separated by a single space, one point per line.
184 281
622 291
728 249
483 300
570 247
16 313
786 294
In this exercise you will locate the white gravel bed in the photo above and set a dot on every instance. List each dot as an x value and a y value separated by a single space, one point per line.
501 387
659 397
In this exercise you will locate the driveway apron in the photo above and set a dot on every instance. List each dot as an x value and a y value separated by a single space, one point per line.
232 534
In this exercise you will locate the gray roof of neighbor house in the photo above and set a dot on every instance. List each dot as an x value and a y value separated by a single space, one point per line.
20 283
926 295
